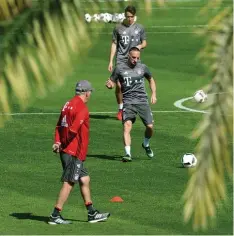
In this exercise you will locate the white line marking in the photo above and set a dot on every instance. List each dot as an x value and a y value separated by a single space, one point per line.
91 113
176 26
164 32
180 102
158 8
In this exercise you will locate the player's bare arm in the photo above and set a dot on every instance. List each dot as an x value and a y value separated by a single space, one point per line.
112 54
152 85
110 84
142 45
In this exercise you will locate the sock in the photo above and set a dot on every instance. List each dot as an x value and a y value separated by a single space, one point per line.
146 142
56 211
128 150
121 106
89 207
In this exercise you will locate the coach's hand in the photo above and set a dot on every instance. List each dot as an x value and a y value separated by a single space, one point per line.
56 147
153 99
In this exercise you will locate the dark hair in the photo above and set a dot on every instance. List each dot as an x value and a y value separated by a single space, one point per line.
130 9
134 49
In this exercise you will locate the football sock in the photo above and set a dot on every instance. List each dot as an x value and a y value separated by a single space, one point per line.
89 207
56 211
146 142
121 106
128 150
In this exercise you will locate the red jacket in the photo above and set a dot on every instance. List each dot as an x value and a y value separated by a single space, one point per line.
72 129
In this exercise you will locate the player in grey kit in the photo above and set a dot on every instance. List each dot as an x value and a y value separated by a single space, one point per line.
125 36
131 76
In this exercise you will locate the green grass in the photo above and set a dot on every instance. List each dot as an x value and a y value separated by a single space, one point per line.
151 189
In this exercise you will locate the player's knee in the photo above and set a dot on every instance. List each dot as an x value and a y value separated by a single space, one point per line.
150 126
85 180
127 125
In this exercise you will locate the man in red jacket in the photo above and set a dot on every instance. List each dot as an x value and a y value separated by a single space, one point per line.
71 141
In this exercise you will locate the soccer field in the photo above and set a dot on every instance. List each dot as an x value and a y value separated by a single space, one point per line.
151 189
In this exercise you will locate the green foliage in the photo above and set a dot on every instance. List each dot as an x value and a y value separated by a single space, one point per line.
206 188
39 46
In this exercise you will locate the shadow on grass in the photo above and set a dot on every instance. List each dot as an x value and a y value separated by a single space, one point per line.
102 117
180 167
107 157
30 216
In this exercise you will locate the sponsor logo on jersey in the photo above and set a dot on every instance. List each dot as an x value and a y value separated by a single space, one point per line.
125 39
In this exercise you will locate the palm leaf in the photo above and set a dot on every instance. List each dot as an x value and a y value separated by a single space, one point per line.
50 32
10 8
206 187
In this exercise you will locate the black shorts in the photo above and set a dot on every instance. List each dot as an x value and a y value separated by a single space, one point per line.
130 112
73 168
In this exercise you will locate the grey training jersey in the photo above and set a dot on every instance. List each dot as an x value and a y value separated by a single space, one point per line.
125 38
132 82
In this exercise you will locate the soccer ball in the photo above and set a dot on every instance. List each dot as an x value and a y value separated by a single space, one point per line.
101 16
115 18
200 96
107 18
188 160
88 17
96 17
120 17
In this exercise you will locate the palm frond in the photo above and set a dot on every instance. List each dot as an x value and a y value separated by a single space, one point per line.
206 187
51 35
10 9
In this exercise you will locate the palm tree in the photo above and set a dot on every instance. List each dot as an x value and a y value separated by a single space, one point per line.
206 186
50 33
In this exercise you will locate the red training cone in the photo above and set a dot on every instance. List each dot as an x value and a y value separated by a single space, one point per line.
116 199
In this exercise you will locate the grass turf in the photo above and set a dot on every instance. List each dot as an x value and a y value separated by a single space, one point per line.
151 189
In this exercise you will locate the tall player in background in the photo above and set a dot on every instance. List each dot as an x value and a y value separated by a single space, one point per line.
126 35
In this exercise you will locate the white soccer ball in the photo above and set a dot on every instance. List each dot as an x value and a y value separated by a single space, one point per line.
96 17
115 18
188 160
200 96
88 17
120 17
107 18
101 16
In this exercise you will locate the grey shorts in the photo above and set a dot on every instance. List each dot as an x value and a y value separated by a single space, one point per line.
73 168
130 112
